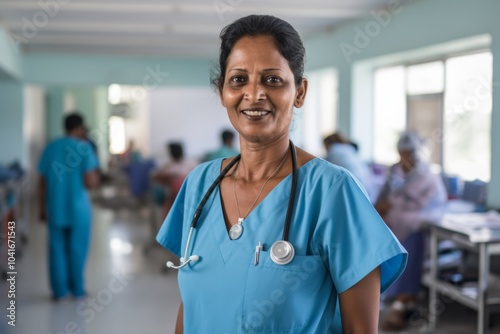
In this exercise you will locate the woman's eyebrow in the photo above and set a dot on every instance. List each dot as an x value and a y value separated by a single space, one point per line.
273 69
265 70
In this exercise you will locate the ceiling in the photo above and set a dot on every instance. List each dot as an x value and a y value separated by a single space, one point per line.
173 28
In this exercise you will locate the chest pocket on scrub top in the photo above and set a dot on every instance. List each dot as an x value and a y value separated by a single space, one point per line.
280 297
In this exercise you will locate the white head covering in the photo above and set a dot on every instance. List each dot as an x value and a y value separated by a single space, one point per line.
410 141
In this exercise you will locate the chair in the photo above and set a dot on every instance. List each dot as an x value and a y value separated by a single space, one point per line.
138 173
475 191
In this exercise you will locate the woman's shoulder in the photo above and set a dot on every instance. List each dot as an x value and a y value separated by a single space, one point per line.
205 169
321 170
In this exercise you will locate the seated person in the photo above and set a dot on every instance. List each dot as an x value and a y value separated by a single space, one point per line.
173 173
411 195
343 153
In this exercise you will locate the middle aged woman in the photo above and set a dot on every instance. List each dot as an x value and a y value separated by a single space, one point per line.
282 241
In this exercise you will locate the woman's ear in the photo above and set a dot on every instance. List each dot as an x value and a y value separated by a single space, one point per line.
301 94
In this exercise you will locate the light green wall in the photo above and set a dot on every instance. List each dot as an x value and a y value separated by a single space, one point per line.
418 24
92 103
10 55
414 25
84 99
88 70
54 102
11 124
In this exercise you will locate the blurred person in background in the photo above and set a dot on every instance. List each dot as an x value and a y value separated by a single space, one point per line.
412 195
68 168
341 152
131 154
226 150
172 174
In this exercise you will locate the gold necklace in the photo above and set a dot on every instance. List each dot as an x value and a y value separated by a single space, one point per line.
237 230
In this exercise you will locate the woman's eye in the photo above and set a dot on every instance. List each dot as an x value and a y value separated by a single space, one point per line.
273 80
237 80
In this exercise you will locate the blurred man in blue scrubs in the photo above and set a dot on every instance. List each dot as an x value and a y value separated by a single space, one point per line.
226 150
68 167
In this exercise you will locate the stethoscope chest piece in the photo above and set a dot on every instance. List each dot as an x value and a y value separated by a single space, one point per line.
282 252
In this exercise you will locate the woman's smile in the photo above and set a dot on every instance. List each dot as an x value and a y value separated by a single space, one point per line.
255 114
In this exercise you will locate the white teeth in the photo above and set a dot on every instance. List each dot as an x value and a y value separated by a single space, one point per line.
254 112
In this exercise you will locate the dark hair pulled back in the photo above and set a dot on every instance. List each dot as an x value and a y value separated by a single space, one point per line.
286 37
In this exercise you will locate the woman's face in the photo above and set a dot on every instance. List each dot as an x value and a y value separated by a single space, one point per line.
259 90
407 160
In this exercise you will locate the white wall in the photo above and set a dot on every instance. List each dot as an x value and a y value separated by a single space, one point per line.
34 139
193 116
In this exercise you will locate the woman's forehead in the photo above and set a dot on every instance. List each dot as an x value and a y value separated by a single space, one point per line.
251 51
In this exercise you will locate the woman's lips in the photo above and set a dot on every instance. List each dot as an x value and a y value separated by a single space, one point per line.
255 113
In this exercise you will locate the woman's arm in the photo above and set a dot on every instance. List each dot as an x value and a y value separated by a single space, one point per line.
179 326
359 305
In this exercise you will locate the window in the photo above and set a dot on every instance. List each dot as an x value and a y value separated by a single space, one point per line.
389 118
427 78
468 105
117 142
129 118
448 101
319 111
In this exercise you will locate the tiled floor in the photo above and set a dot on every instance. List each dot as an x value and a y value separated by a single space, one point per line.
144 301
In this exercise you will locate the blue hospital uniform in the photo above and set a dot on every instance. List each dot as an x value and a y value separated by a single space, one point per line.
63 165
338 237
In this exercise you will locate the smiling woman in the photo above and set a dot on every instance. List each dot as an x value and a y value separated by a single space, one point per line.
309 237
259 91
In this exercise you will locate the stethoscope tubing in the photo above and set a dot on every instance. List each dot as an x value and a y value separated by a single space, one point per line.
286 228
291 200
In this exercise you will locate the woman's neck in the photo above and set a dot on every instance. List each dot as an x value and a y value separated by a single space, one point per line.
257 164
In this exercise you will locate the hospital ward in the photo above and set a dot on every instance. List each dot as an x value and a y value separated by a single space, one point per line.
232 166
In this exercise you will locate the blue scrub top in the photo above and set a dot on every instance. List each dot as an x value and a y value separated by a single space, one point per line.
63 165
338 237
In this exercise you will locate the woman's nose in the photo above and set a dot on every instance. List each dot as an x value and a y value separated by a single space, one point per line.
255 92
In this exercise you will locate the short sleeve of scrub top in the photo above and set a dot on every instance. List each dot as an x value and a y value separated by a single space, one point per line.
170 235
359 241
338 238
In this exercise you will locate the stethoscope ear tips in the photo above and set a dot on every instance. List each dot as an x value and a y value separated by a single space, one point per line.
192 258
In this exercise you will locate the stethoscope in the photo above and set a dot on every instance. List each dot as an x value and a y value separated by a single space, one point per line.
282 251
